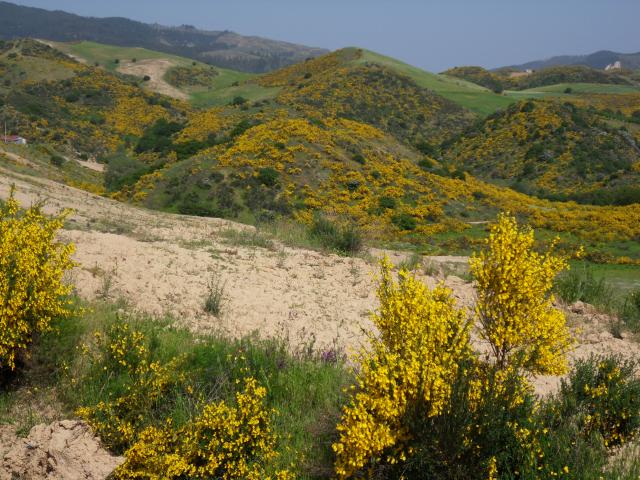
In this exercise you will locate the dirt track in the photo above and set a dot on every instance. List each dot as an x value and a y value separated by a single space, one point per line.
155 69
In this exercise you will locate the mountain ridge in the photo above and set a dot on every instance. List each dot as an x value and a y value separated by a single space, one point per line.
221 48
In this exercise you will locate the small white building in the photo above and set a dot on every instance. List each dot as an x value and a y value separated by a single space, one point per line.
614 66
14 139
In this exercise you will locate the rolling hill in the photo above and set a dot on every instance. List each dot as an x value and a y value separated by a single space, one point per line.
598 60
350 136
221 48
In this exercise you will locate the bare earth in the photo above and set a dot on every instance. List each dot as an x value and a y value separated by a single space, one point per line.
155 69
64 450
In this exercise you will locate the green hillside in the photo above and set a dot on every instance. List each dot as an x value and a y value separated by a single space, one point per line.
566 74
105 56
561 88
466 94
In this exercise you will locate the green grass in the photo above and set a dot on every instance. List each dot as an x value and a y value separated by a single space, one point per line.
222 90
305 388
622 278
105 55
469 95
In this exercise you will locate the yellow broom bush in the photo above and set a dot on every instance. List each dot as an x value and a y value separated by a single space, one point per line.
32 265
223 442
411 365
514 306
406 379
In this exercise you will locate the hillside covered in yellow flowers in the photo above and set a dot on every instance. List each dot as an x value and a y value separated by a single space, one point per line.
351 136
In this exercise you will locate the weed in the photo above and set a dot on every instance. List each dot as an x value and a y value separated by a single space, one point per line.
216 296
412 263
581 284
247 238
106 283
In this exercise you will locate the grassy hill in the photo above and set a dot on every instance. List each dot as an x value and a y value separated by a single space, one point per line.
220 87
555 150
466 94
368 93
561 88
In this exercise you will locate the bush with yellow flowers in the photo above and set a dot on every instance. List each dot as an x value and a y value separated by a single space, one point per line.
123 352
419 376
32 265
218 440
407 372
514 306
425 406
223 442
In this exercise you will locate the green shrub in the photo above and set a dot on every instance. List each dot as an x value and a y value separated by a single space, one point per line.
268 176
57 160
387 202
404 221
580 284
238 101
158 137
342 239
603 394
359 158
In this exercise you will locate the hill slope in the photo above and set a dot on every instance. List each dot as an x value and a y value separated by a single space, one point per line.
221 48
50 98
553 149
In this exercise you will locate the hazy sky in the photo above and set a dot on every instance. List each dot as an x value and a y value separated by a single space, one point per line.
432 34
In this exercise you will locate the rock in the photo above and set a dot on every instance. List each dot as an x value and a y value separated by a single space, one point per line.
65 450
579 307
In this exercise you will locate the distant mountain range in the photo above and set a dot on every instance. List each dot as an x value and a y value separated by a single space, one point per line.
222 48
599 60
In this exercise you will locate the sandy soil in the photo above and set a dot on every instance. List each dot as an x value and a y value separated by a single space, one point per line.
64 450
155 69
162 265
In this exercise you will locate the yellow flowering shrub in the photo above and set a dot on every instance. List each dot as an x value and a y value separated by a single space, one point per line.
514 306
119 420
408 370
32 266
224 442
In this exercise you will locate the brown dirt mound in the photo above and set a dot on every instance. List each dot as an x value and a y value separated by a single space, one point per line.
65 450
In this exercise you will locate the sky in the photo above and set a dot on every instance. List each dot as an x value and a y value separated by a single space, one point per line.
431 34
